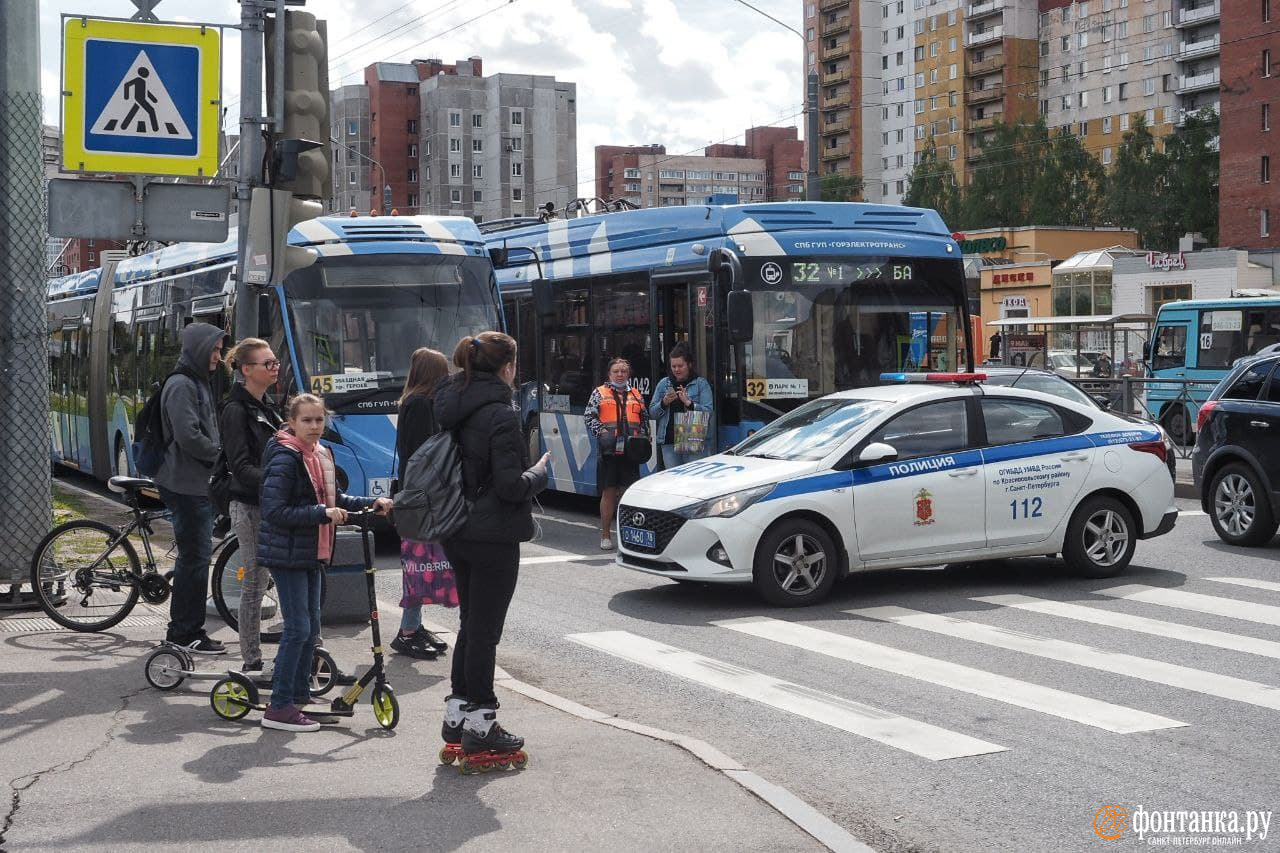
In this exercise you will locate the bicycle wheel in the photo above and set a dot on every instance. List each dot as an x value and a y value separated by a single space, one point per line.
228 581
79 584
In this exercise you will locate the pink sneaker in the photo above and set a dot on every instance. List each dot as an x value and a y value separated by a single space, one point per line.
289 719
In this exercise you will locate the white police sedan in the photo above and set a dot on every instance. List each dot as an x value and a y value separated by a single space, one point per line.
936 468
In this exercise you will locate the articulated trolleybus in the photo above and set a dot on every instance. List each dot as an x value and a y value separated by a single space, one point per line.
780 303
343 328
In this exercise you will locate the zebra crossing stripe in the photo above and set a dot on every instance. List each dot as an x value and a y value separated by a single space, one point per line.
1024 694
1173 675
922 739
1140 624
1233 608
1271 586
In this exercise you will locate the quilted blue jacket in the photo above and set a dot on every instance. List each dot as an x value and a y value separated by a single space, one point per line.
290 513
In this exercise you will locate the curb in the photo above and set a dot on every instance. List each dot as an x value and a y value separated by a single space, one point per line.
1187 490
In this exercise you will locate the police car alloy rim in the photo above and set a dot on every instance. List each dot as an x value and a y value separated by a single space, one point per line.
1234 504
799 564
1106 537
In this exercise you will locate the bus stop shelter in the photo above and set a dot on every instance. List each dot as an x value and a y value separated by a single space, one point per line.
1098 345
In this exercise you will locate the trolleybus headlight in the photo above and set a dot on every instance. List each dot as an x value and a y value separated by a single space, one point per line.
726 506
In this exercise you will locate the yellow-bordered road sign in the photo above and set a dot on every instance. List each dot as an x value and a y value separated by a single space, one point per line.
140 98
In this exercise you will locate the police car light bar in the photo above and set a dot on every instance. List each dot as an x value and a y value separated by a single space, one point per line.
905 378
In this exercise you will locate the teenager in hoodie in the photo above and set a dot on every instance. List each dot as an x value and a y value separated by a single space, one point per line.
300 505
485 553
189 418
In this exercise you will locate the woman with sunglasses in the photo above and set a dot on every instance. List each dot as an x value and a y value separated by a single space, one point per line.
248 421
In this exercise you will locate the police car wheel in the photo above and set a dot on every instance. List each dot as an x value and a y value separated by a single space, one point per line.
1240 512
1100 538
796 564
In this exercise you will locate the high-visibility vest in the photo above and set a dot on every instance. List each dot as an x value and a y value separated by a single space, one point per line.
635 414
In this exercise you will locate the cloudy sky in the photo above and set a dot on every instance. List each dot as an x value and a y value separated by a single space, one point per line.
683 73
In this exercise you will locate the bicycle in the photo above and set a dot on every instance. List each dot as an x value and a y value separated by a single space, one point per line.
86 574
227 579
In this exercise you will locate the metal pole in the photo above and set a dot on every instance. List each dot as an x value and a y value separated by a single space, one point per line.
25 513
251 121
814 189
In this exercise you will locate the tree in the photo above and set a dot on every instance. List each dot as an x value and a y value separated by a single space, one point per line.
1190 198
932 183
1136 185
999 191
1068 185
841 187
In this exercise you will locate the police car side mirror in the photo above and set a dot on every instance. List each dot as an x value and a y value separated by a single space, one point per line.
878 451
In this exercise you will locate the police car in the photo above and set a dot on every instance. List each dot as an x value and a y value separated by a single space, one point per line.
931 469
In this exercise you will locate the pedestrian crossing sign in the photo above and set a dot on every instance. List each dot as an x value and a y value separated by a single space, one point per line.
140 98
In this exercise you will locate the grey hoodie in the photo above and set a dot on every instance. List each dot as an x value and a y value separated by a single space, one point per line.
190 415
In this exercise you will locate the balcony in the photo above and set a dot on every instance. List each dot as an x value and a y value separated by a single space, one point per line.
841 126
993 34
1184 114
1197 82
837 152
835 76
986 66
841 25
973 152
1197 49
1199 14
985 7
840 100
840 51
976 124
827 5
982 96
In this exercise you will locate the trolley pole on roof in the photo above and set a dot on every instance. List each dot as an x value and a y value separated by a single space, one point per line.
24 338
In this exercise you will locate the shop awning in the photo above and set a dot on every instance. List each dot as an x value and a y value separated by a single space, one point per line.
1082 320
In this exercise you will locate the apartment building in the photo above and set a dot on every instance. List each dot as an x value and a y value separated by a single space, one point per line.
941 62
448 140
618 170
1248 197
836 39
1001 68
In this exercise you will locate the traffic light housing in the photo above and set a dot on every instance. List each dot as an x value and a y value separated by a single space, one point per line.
306 104
272 214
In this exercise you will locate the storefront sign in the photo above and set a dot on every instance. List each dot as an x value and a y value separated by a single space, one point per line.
1165 261
1016 302
982 246
1012 277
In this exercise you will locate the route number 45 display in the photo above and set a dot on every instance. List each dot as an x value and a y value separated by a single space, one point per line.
1029 507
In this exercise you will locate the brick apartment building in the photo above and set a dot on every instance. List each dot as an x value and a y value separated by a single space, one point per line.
448 140
766 167
1248 194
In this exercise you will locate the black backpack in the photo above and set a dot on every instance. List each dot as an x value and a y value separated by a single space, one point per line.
148 434
431 505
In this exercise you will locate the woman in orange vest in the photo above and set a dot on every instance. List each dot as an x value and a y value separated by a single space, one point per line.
614 413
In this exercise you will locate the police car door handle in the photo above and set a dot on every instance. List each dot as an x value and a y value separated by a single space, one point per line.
1260 424
963 472
1076 457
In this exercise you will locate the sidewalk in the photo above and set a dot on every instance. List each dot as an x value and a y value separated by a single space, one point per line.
1183 485
99 760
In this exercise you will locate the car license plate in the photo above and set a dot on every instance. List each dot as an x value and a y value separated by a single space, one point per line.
639 536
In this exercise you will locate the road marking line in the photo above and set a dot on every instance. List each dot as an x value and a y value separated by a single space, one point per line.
1183 512
1250 582
1140 624
562 558
923 739
1024 694
1173 675
558 520
1248 611
33 702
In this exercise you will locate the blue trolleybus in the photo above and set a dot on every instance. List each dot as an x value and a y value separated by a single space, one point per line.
780 303
1200 339
343 328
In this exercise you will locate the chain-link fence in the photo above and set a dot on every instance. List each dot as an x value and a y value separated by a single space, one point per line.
24 364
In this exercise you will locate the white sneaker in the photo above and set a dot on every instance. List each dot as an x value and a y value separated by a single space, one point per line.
606 544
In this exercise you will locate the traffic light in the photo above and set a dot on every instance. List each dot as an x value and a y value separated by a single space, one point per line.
272 213
306 104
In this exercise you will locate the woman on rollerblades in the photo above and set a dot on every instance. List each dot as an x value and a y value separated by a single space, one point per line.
485 553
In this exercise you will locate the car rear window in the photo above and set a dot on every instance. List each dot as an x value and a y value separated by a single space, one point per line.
1249 384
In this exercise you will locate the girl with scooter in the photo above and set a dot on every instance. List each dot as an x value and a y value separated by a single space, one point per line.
300 505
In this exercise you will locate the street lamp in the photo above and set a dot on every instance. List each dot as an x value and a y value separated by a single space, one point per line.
386 186
812 193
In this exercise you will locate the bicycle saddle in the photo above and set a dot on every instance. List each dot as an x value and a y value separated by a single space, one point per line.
121 485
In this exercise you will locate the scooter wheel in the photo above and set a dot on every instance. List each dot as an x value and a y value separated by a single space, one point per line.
386 710
229 699
246 684
323 669
163 669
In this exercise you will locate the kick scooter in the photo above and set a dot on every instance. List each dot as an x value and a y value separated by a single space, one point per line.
170 665
235 695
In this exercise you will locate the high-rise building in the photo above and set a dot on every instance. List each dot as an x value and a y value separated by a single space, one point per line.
448 140
1001 68
938 108
618 170
835 38
1248 198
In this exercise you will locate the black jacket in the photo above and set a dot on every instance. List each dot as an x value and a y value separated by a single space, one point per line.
291 515
415 423
495 458
246 425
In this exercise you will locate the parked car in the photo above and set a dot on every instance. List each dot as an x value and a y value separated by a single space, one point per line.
1236 461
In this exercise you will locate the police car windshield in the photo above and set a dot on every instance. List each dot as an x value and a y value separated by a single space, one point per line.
812 431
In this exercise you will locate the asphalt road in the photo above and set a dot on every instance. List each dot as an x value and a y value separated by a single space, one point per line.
1161 695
